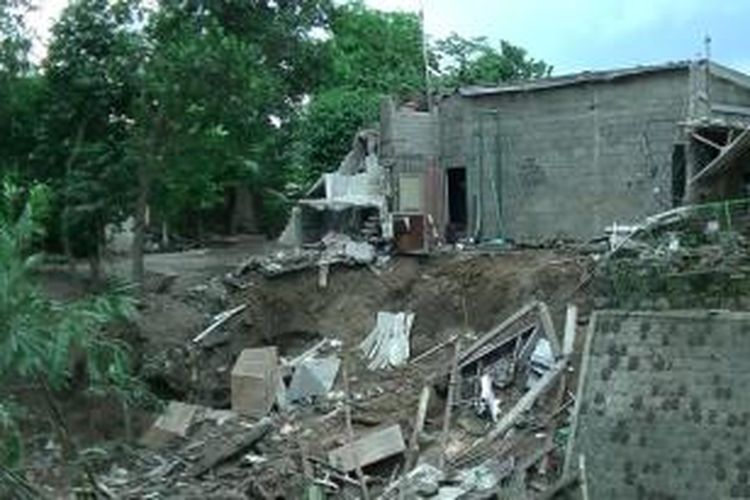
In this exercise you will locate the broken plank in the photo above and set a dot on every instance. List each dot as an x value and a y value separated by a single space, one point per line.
455 373
424 399
355 453
233 447
434 349
220 319
507 323
368 449
549 328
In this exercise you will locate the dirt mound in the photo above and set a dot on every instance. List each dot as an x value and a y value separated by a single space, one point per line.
446 292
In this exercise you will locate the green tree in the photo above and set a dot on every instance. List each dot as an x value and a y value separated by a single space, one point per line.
15 39
39 338
327 126
372 53
375 50
20 89
91 73
473 61
220 83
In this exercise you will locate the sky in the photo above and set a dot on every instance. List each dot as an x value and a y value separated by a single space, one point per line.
574 35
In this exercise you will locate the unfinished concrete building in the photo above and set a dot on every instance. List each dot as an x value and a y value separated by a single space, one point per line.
565 157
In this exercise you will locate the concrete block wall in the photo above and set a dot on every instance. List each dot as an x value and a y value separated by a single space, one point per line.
572 160
663 410
722 91
409 144
408 133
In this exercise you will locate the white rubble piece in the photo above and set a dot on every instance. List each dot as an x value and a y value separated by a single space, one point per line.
388 343
542 358
313 377
292 234
340 247
363 189
218 321
487 396
255 381
173 423
424 481
619 235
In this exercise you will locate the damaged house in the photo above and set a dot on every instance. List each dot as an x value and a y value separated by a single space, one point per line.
565 157
559 158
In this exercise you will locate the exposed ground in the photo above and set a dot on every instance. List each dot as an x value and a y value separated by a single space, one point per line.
450 292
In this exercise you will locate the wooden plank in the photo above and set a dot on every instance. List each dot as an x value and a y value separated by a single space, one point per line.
449 403
368 449
549 328
582 382
424 399
497 330
221 318
222 451
356 457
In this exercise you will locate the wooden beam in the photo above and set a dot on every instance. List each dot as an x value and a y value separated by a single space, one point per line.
706 141
424 400
449 404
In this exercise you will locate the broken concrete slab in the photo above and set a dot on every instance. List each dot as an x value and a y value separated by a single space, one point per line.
173 423
255 381
313 377
387 345
368 449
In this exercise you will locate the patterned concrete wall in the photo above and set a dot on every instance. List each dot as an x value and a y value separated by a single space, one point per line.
664 406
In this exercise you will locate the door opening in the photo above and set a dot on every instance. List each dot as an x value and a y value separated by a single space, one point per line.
457 202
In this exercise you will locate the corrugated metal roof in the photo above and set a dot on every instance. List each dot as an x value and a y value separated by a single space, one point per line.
601 76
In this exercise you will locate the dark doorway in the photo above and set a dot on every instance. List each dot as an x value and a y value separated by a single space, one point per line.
678 174
457 207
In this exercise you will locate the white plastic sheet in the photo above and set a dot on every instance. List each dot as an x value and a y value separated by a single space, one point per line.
388 343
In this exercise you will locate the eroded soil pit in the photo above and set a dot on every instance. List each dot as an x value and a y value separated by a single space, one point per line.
466 293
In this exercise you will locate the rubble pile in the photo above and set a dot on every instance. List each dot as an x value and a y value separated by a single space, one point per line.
373 420
678 260
334 248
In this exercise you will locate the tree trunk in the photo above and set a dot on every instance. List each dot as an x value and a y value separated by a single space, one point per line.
164 234
65 216
139 231
97 257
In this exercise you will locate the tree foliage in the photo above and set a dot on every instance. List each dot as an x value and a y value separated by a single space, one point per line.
474 61
39 337
91 75
376 51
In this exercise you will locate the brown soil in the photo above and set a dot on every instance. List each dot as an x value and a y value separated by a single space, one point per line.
447 292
